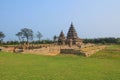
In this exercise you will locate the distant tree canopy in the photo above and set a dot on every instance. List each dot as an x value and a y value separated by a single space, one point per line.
25 34
103 40
20 36
2 35
39 35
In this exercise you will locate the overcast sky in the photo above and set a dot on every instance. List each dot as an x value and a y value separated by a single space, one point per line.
91 18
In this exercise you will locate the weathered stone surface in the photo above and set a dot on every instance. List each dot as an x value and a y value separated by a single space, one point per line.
71 39
70 51
61 39
18 50
90 49
72 35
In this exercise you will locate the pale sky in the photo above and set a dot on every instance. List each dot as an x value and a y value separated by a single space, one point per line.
91 18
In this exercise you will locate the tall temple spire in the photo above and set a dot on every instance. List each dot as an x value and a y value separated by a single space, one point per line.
72 34
72 37
71 24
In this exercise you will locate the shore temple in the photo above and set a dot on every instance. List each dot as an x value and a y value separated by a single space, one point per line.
71 38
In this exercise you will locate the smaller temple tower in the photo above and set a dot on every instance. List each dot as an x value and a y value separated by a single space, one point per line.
61 39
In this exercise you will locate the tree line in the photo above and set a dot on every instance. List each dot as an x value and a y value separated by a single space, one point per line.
107 40
26 35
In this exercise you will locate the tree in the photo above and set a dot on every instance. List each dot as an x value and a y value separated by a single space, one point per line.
118 41
19 34
2 35
39 35
25 33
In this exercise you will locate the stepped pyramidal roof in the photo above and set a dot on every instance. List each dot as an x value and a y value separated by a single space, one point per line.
61 36
72 37
72 34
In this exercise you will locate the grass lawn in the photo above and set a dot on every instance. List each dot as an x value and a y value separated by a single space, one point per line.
104 65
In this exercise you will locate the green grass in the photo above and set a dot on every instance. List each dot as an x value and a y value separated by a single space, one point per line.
112 51
104 65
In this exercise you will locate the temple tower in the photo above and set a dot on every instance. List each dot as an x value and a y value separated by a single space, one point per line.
61 39
72 37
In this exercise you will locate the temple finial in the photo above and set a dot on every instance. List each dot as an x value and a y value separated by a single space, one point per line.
71 24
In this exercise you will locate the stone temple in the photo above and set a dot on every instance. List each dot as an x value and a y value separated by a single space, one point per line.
71 39
62 39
